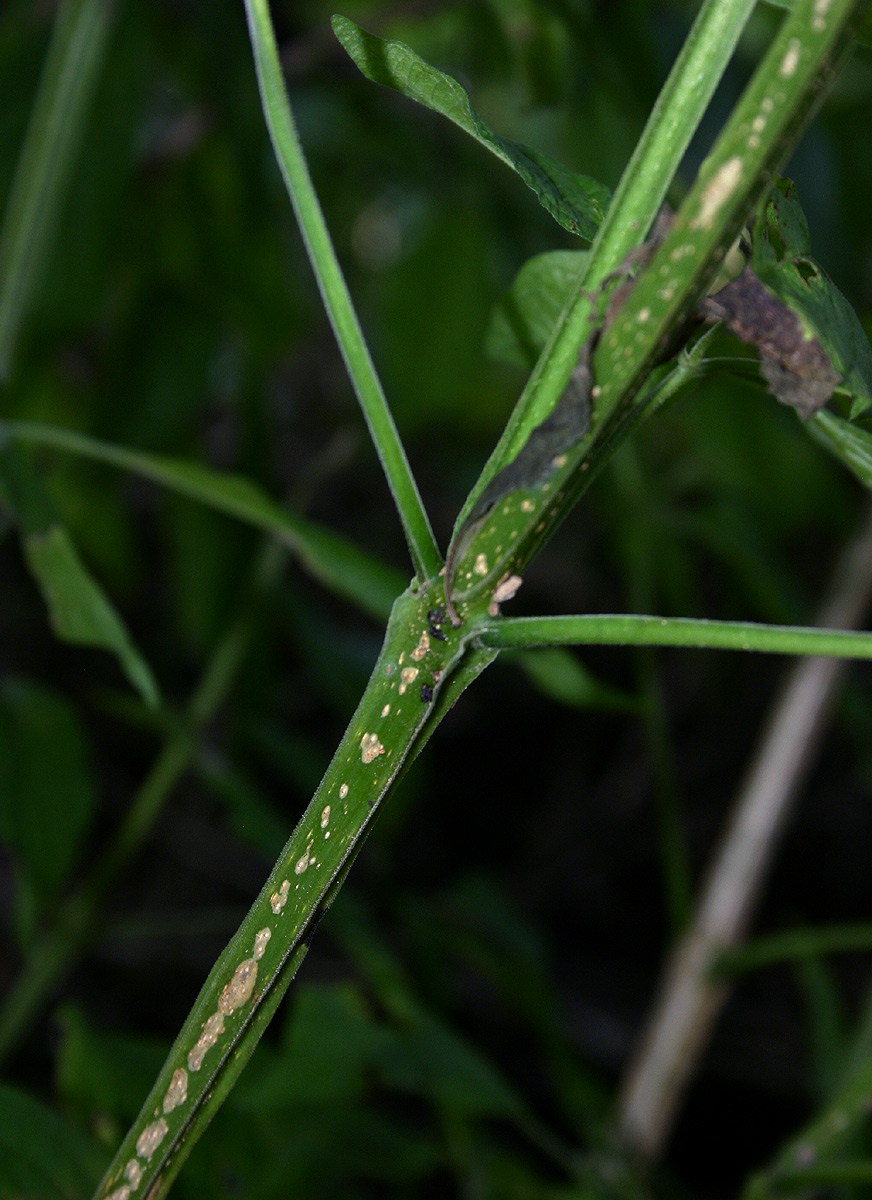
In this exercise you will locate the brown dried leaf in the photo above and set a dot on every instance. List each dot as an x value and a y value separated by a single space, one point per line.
797 368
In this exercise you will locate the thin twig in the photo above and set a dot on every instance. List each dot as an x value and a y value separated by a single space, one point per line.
690 1001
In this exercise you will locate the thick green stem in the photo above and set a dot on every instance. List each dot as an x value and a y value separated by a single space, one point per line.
416 665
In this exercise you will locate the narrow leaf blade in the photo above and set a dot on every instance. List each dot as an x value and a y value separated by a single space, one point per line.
79 610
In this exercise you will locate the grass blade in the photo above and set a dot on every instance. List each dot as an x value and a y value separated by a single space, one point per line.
67 83
330 558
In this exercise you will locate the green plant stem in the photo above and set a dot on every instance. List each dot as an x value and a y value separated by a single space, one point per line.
680 107
334 292
686 632
60 944
386 732
392 721
790 82
66 86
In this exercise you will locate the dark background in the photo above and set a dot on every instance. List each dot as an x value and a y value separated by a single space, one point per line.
515 893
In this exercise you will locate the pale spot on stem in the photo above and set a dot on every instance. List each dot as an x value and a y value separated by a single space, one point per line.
301 864
407 675
370 748
717 192
325 817
343 791
133 1173
177 1092
791 59
260 940
507 589
151 1137
279 899
480 566
212 1030
240 987
422 647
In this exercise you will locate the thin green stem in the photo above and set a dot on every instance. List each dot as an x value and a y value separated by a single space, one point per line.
686 632
334 292
69 76
59 944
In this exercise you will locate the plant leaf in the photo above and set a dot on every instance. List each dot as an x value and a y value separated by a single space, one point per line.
526 314
576 202
46 791
330 558
557 673
796 367
79 609
42 1156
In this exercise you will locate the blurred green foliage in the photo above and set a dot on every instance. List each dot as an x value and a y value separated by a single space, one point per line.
458 1032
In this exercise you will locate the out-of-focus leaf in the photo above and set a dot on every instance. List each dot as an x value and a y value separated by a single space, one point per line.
329 1047
576 202
847 441
561 676
43 1157
526 314
430 1060
79 610
337 563
104 1073
46 792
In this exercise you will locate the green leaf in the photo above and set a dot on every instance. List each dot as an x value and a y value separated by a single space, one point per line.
79 609
524 317
42 1156
46 792
431 1061
335 562
104 1073
559 674
781 231
329 1043
576 202
847 441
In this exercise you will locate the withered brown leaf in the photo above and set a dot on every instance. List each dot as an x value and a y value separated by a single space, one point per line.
797 368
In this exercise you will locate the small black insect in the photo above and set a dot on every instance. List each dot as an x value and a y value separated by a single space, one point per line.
435 617
427 693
